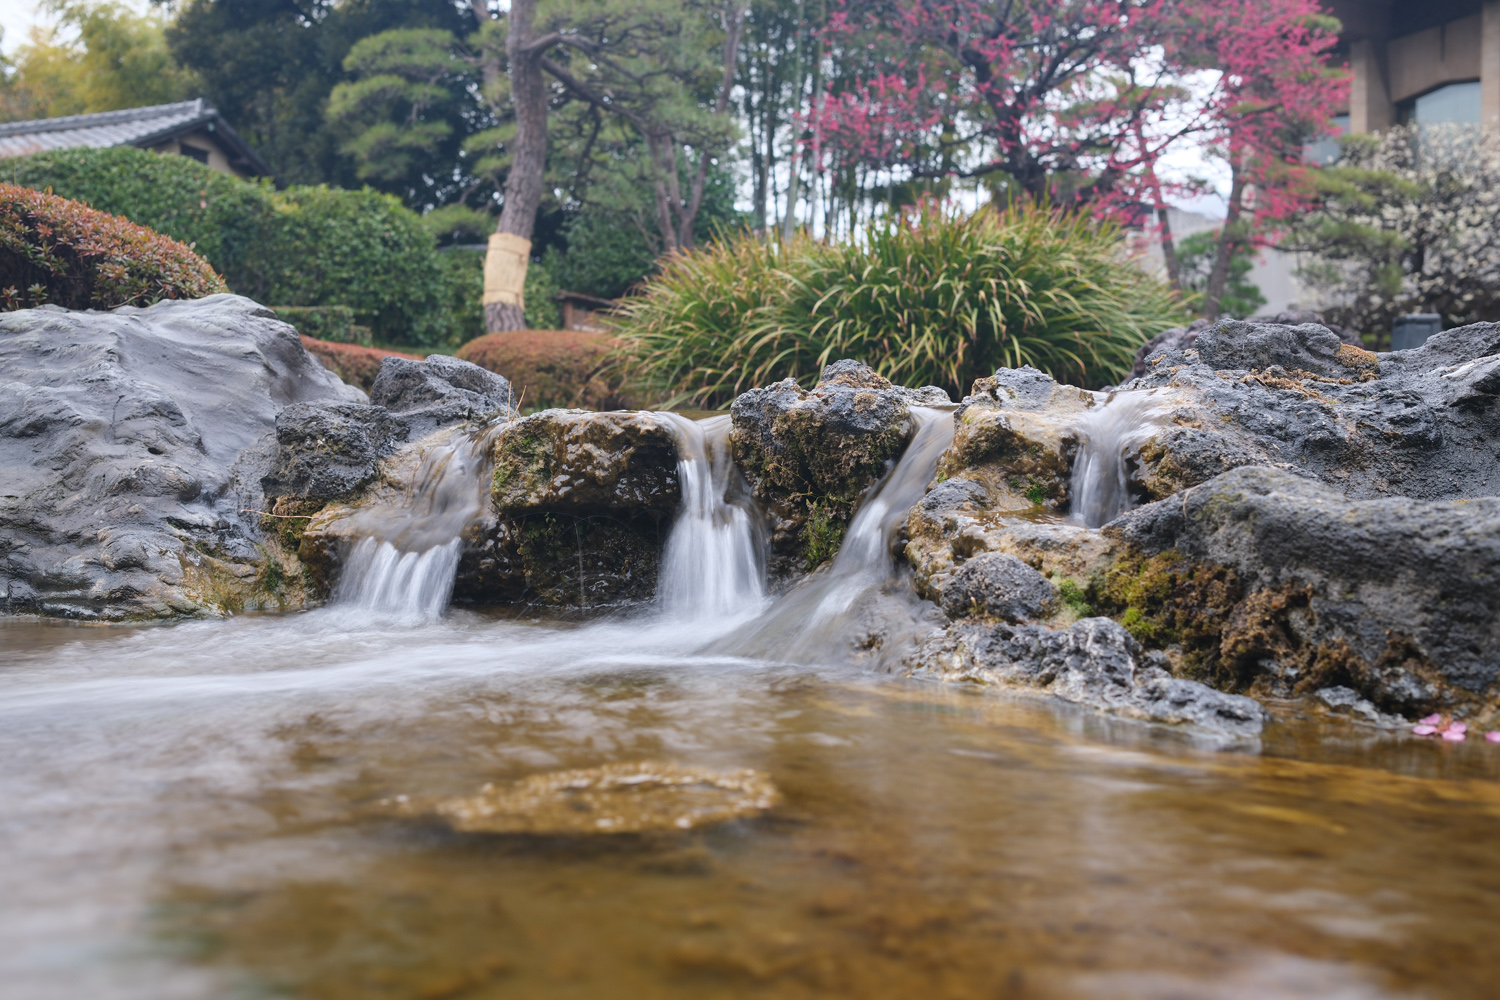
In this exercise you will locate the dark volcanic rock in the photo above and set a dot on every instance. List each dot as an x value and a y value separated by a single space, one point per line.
1396 599
996 585
329 450
438 391
1094 662
1417 423
809 455
133 444
1298 540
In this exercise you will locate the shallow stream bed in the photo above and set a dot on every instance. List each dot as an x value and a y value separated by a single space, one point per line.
192 811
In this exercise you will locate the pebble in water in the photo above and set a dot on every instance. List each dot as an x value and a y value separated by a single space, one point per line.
614 798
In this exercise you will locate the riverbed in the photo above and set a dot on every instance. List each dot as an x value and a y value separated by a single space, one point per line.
193 810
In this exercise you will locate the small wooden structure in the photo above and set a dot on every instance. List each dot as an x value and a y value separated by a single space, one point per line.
585 312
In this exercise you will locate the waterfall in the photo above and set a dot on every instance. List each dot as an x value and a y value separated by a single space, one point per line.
816 620
1111 434
404 563
712 564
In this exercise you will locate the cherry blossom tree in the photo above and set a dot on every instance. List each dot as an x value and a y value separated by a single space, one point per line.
1077 101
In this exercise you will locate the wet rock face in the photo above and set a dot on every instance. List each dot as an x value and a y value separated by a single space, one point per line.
133 444
810 454
997 585
331 451
1291 534
1396 599
1094 662
438 391
581 462
582 505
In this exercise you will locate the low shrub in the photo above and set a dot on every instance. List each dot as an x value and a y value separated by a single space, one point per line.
568 368
927 298
224 219
305 246
354 364
57 251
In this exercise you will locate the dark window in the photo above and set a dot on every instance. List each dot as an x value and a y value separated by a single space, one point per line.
201 155
1456 103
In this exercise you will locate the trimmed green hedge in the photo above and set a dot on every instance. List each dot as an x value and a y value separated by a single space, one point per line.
305 246
57 251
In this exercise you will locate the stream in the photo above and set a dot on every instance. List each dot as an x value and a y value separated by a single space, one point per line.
194 811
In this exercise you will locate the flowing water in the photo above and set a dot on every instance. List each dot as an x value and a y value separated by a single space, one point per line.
1110 436
194 811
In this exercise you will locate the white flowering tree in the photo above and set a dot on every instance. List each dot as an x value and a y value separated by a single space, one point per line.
1408 221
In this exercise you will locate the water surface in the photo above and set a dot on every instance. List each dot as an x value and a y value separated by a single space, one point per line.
189 811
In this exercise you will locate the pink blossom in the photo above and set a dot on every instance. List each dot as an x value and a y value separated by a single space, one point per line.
1453 735
1493 736
1424 729
1431 720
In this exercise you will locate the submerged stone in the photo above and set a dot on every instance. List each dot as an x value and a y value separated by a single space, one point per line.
1094 662
640 797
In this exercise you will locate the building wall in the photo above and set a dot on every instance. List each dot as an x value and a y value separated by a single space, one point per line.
201 139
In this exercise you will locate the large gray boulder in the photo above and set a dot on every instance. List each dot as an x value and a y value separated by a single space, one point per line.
1396 599
1309 514
132 445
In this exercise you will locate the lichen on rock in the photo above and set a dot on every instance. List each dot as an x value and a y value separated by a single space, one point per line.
809 455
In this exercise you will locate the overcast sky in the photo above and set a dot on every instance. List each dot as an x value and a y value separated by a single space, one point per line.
16 17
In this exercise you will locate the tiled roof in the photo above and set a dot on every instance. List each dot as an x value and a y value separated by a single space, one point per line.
142 127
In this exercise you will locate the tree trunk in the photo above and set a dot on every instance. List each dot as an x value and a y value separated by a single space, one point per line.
734 23
510 248
1229 238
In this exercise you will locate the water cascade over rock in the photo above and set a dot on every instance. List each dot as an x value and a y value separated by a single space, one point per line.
1270 510
713 564
859 602
1111 435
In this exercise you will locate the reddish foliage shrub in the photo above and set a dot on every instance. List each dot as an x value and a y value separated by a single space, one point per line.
354 364
568 368
57 251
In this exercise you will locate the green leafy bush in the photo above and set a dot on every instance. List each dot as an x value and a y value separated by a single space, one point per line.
305 246
362 249
931 297
223 218
57 251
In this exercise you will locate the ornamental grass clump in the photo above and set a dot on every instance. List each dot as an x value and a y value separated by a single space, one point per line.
61 252
931 297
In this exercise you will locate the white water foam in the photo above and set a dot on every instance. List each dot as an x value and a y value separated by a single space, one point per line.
713 564
1111 434
404 563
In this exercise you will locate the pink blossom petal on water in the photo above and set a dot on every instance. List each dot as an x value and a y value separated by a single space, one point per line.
1453 737
1431 720
1458 727
1493 736
1424 730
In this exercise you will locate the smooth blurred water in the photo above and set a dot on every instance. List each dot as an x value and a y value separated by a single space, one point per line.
194 810
712 564
1111 434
